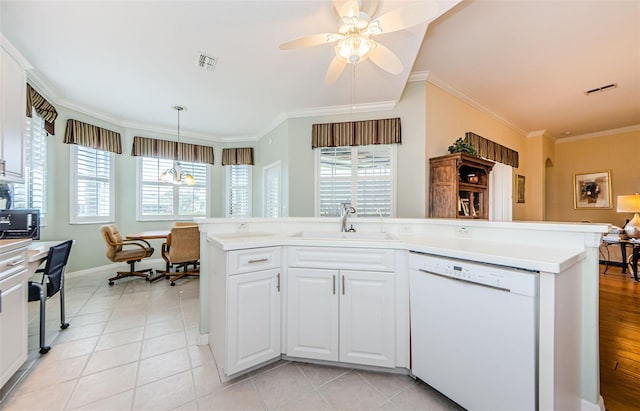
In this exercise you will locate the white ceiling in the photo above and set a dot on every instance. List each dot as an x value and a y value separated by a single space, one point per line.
527 62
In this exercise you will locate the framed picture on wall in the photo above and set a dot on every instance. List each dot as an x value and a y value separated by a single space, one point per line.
592 190
519 188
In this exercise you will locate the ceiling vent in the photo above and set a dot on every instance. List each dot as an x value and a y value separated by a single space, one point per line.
601 89
205 62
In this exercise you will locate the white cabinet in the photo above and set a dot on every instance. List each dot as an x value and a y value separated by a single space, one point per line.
244 318
253 319
312 314
341 315
367 312
13 310
12 116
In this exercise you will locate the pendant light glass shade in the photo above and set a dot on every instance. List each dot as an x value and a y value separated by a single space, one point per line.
175 175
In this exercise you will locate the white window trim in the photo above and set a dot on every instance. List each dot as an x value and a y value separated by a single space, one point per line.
141 217
73 184
394 180
265 169
228 192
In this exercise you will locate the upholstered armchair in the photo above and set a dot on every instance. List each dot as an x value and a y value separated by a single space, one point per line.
129 251
182 251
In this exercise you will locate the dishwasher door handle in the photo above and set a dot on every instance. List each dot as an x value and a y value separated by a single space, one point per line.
494 287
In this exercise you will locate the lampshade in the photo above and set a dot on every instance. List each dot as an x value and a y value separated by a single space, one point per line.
355 48
631 204
175 175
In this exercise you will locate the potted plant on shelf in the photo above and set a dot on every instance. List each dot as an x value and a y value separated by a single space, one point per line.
461 145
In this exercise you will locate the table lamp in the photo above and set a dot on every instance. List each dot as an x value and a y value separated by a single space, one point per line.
631 204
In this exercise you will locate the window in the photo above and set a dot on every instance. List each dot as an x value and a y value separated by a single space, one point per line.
92 185
362 175
159 200
33 193
238 202
272 192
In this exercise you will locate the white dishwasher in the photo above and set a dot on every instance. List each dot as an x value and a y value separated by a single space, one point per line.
474 331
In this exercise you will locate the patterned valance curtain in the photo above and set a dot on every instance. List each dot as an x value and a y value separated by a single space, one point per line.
356 133
171 150
493 151
235 156
42 107
88 135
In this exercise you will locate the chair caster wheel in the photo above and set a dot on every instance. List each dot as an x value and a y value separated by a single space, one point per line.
64 326
44 350
172 283
166 277
110 282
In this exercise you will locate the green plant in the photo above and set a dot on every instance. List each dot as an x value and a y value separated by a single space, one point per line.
461 145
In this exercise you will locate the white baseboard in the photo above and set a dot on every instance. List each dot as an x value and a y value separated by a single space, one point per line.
146 263
203 339
589 406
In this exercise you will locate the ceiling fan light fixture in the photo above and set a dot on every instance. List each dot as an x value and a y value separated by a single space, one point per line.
355 48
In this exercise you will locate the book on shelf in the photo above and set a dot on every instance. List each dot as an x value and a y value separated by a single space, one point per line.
465 206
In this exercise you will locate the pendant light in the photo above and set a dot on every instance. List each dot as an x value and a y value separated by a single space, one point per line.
175 175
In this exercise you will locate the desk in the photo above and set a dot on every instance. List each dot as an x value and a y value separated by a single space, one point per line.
635 254
37 253
149 235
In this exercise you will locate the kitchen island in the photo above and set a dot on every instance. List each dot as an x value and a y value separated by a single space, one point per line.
264 281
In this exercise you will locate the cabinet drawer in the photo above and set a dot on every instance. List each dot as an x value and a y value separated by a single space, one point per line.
13 262
253 259
371 259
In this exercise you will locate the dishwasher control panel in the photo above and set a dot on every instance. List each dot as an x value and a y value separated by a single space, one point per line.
508 279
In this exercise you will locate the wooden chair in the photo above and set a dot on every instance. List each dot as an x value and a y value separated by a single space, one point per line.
181 251
52 282
129 251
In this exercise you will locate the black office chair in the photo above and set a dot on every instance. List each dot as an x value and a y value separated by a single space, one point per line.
52 282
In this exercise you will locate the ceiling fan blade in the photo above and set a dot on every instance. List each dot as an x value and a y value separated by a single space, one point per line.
406 17
335 69
347 8
310 41
386 59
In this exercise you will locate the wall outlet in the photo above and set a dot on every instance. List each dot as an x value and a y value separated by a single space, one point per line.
463 231
242 227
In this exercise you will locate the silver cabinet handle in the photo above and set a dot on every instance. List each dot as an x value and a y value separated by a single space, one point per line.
13 264
334 284
278 286
3 163
260 260
343 285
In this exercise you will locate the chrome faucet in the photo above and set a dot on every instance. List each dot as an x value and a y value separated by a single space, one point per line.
344 213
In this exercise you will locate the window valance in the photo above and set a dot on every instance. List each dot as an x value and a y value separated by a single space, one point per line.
356 133
88 135
235 156
493 151
171 150
42 107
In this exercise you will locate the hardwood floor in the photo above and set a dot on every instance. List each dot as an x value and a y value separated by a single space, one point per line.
619 340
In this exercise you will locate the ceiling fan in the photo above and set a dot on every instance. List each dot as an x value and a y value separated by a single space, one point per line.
354 42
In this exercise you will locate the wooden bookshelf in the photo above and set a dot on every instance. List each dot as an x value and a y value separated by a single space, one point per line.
453 192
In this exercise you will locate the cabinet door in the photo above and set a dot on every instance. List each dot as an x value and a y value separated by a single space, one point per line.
367 318
253 328
312 314
13 324
12 97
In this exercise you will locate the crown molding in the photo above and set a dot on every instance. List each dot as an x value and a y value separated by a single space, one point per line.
343 109
542 133
13 52
419 76
460 95
603 133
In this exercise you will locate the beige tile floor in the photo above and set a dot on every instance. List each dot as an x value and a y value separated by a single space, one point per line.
132 346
